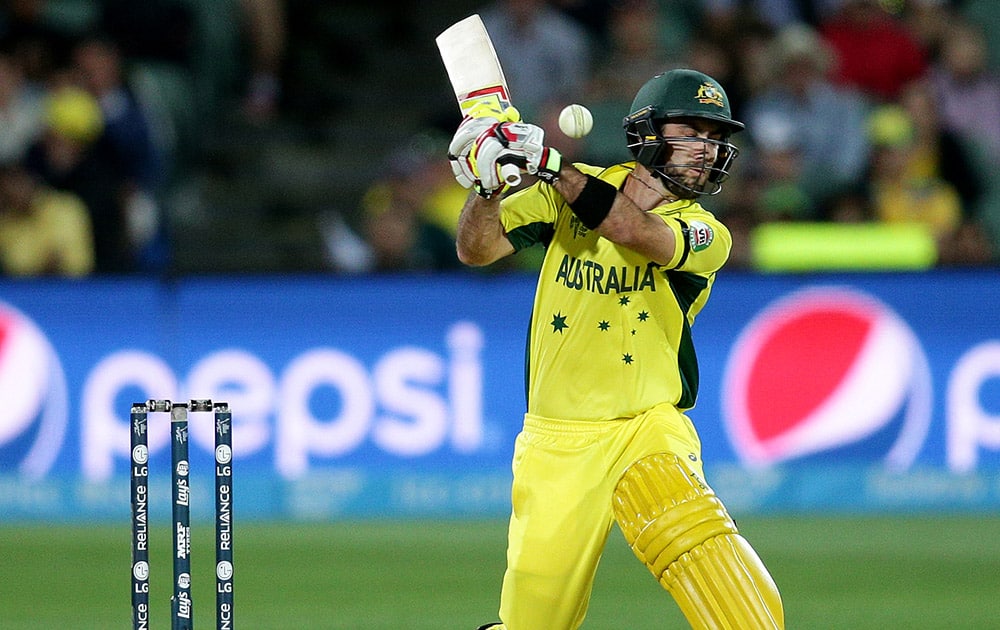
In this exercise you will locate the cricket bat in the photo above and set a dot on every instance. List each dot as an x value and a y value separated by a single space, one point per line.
475 73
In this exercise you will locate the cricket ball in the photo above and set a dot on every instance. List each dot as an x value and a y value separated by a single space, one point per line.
576 121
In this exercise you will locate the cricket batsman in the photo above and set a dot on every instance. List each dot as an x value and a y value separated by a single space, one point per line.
630 259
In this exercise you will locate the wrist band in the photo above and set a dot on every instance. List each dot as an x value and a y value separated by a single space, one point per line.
594 202
549 165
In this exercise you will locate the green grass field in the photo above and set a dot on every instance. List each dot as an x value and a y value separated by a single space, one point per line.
851 573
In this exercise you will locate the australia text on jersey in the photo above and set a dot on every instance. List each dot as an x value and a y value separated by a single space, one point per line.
587 275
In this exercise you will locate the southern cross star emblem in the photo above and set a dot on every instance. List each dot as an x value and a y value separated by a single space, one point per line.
559 322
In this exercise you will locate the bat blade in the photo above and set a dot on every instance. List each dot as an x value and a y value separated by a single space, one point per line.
472 64
475 73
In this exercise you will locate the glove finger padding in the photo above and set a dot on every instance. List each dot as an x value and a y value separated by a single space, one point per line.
519 136
480 118
528 141
466 134
486 157
506 143
462 170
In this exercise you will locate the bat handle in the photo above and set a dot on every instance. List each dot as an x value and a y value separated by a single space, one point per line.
510 171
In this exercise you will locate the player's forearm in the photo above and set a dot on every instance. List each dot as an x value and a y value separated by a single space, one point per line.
639 231
480 239
623 223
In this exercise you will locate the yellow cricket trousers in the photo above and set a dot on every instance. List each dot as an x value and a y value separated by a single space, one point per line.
564 476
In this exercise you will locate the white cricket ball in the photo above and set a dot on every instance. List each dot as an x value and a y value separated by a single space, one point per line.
576 121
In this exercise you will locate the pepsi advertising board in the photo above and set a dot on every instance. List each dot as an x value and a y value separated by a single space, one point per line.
401 396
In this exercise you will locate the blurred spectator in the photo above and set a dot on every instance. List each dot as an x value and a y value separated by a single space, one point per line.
593 15
986 13
400 239
265 26
928 21
800 105
64 158
850 206
937 151
443 198
967 246
546 56
161 30
635 53
42 231
776 13
396 232
20 111
967 88
37 42
966 79
901 190
780 194
737 51
923 173
875 52
126 145
126 138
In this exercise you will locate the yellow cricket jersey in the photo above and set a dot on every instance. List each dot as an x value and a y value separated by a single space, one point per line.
54 238
610 330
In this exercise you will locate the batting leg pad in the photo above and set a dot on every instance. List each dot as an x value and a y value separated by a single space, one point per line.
682 532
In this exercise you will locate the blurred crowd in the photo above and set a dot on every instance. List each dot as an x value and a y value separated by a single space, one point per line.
858 113
86 146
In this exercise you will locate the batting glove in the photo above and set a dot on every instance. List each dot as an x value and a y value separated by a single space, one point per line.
500 145
481 118
528 141
461 145
503 144
521 137
487 156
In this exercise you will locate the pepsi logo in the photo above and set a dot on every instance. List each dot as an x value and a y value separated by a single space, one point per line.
822 369
33 394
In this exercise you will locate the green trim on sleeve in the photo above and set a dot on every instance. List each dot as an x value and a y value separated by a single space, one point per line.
687 287
527 235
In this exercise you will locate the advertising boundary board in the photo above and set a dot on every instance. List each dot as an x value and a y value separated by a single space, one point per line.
400 396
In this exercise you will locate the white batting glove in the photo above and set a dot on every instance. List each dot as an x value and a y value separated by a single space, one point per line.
486 158
467 132
482 117
506 143
461 167
521 137
528 140
462 144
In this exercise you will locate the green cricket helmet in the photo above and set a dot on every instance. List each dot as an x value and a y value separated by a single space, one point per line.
680 93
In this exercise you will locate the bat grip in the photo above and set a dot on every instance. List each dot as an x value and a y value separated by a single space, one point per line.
510 170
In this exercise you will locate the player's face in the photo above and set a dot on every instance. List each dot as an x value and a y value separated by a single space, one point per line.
691 153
